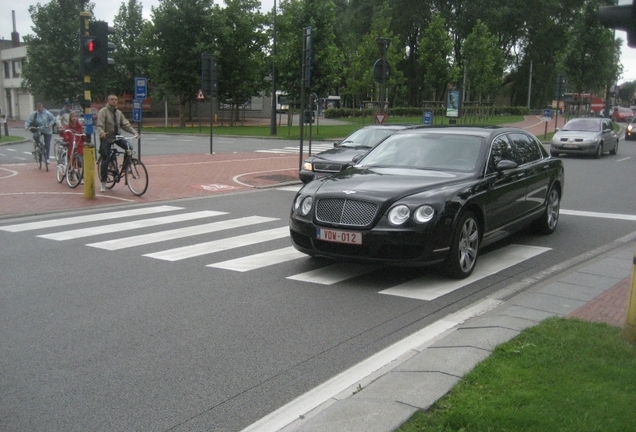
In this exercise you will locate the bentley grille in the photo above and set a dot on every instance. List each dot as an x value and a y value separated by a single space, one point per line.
344 211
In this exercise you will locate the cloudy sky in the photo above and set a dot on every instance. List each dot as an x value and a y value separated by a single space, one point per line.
105 10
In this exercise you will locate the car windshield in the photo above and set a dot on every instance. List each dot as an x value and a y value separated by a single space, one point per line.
432 151
583 125
366 137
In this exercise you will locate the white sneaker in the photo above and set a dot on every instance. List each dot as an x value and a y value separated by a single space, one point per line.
102 188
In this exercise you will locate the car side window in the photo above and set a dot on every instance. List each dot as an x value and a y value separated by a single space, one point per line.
527 149
499 150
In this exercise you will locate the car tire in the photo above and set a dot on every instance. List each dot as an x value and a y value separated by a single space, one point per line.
599 151
614 150
549 219
554 154
464 247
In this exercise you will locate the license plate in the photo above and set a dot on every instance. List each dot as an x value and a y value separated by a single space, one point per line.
572 146
339 236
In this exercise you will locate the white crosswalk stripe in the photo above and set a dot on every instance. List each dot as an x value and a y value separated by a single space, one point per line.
88 218
220 245
315 149
126 226
257 261
144 239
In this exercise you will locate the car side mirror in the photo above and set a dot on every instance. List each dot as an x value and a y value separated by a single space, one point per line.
356 159
336 144
506 164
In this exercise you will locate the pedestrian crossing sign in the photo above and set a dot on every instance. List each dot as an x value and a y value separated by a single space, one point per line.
200 96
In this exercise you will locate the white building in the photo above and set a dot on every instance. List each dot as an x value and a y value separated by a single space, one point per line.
15 103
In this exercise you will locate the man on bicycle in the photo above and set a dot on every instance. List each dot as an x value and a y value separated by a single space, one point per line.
110 122
63 116
45 120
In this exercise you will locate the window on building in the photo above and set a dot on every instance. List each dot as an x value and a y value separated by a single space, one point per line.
17 68
7 70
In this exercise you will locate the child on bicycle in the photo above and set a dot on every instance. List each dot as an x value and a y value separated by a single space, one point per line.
68 133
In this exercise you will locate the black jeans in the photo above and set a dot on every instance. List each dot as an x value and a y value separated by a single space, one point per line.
104 152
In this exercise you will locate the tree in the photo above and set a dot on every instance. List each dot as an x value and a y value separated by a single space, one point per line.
591 55
52 68
484 61
360 85
179 31
326 62
435 58
242 42
132 52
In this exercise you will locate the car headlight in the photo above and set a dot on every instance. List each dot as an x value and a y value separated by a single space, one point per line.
305 205
308 166
424 214
399 214
630 127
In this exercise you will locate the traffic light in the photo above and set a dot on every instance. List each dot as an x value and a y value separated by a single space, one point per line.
621 18
101 30
209 74
89 61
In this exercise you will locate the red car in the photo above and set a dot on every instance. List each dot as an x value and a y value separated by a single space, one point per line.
622 114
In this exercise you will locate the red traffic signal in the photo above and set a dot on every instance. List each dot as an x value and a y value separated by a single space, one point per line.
90 60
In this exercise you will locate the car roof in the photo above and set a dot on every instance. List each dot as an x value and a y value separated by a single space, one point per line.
484 131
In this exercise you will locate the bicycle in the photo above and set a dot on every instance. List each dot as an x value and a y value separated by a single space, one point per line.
40 150
132 170
71 167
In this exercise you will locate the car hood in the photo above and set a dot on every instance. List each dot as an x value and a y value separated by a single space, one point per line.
385 183
339 154
575 134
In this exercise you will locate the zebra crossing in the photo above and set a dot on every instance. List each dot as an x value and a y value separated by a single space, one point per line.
224 226
315 148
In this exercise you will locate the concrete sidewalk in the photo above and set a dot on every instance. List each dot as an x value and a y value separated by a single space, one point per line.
593 289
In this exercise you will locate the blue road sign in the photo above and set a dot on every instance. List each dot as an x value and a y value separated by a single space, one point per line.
136 114
427 119
141 88
547 112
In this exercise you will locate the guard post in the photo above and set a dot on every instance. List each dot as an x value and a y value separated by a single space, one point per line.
630 325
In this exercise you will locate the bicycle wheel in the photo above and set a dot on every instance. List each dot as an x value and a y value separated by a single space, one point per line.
46 159
38 156
75 171
137 177
111 173
60 169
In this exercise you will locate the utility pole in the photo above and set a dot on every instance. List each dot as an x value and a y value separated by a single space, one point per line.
272 124
87 46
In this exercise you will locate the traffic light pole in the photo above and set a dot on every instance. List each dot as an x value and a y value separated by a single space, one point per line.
89 147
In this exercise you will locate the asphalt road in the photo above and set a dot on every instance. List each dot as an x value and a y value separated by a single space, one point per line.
105 330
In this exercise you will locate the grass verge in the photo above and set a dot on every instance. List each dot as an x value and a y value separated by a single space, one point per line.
561 375
319 131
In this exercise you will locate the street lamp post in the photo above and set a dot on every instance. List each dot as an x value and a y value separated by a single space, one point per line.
272 124
383 45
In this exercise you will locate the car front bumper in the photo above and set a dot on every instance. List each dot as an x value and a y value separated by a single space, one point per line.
395 247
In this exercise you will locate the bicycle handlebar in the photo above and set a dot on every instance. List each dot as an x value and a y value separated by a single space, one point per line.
74 133
118 137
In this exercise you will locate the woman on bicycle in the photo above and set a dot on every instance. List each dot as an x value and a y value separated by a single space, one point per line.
44 120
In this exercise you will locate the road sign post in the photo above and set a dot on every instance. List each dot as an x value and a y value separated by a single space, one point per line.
547 115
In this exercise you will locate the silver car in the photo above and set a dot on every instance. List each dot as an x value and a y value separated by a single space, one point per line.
585 136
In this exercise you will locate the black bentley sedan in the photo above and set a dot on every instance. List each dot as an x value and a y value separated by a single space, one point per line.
431 195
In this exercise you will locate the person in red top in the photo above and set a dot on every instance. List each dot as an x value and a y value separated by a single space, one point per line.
72 127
